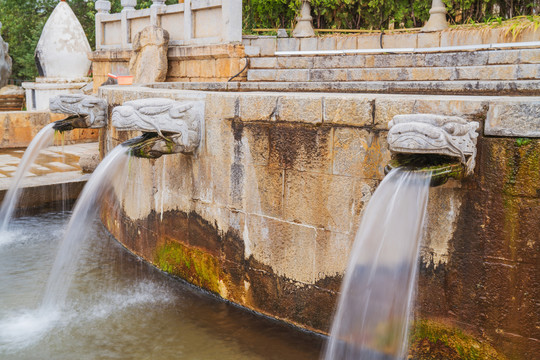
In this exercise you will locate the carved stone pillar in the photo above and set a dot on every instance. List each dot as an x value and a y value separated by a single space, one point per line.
437 18
158 3
128 5
103 6
304 27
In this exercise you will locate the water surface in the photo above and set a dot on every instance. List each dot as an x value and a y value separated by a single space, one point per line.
119 307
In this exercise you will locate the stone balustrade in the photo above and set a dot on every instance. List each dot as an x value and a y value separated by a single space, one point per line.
194 22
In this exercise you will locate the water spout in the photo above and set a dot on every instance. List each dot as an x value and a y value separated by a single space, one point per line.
84 111
168 126
444 146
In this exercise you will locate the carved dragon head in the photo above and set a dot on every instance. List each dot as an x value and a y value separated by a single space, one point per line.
176 123
85 111
435 134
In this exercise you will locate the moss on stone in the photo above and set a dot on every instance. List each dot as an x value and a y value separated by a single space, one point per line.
191 264
435 341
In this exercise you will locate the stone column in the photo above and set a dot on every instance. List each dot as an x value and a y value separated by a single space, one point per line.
155 10
437 18
304 27
231 17
102 7
158 3
128 5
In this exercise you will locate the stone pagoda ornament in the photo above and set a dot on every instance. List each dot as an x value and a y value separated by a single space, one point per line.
437 17
304 26
61 58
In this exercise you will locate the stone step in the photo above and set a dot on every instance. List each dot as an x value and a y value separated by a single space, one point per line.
492 72
437 59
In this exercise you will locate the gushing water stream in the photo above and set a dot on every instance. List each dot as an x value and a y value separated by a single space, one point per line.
43 139
372 317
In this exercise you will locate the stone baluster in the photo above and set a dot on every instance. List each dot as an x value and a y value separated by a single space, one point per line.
103 7
128 5
304 26
155 10
437 17
158 3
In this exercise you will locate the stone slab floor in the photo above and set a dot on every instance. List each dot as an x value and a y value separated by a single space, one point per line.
55 164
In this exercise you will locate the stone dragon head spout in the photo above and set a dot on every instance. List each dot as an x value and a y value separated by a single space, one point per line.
85 111
170 126
448 136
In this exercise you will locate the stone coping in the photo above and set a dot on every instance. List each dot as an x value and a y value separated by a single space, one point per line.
496 46
463 87
506 116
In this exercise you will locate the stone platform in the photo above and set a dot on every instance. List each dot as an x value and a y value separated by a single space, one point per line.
55 179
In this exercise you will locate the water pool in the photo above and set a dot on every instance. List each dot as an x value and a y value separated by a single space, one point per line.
120 307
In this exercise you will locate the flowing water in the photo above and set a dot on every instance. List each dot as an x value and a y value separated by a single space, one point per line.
42 139
372 317
119 307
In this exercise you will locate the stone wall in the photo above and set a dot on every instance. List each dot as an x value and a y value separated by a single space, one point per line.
18 128
268 45
211 63
266 211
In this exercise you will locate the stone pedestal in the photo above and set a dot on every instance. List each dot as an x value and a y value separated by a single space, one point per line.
38 93
437 18
304 27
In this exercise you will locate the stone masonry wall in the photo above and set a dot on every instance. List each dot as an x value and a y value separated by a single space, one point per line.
210 63
266 212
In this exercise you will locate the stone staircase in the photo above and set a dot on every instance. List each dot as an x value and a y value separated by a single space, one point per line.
514 67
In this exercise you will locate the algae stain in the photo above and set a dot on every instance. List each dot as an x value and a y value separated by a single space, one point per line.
191 264
433 340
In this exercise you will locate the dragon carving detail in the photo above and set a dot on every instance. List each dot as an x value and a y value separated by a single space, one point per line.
86 111
435 134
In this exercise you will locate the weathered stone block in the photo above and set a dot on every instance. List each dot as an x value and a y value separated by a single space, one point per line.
387 108
346 42
326 43
267 45
264 190
258 107
328 75
394 41
193 68
292 75
300 147
472 58
360 153
295 62
512 118
429 73
348 110
369 42
308 44
493 72
398 60
263 63
332 253
288 44
429 40
373 74
288 248
306 109
262 75
529 56
499 57
320 200
252 51
221 106
528 71
472 109
149 61
338 61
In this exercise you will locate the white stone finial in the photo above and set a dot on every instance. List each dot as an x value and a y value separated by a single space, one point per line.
304 26
62 50
158 3
103 6
128 5
437 18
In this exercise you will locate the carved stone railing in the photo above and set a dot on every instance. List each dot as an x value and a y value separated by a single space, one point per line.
194 22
